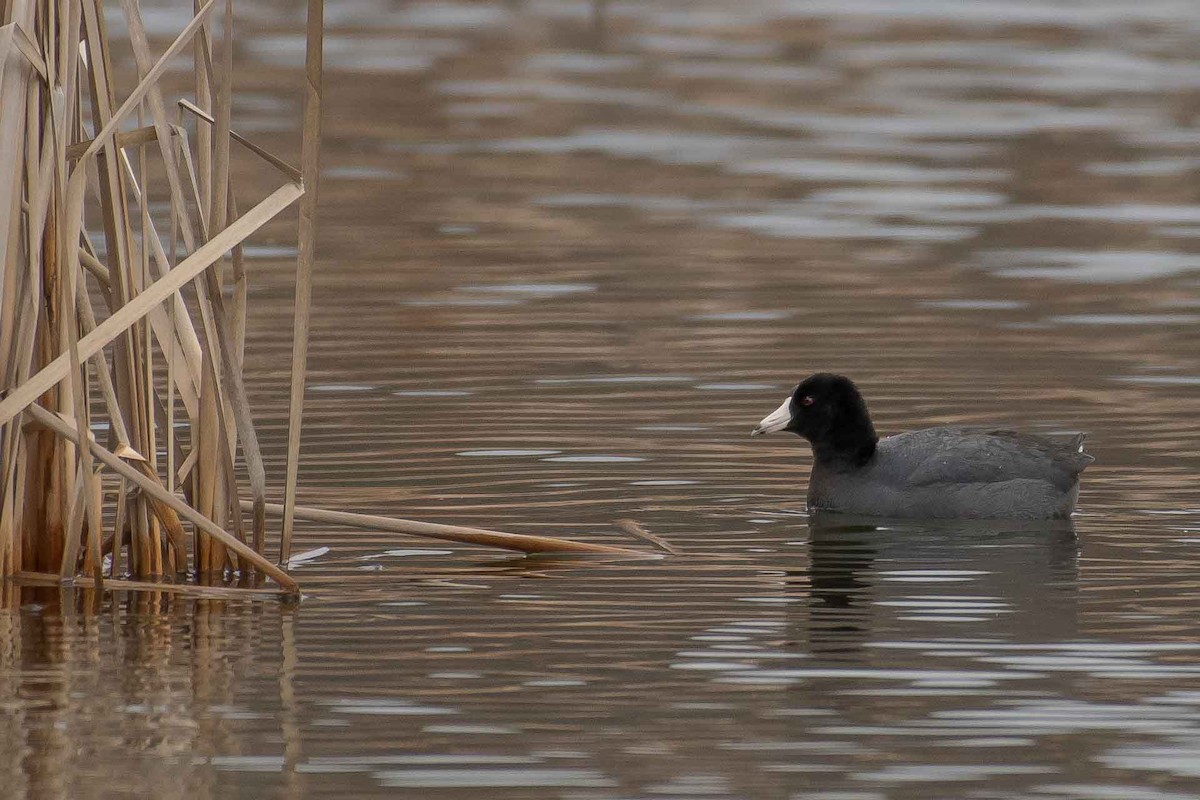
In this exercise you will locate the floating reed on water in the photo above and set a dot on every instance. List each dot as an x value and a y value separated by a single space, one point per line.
123 411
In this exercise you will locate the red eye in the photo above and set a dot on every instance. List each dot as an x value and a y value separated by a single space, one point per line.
807 400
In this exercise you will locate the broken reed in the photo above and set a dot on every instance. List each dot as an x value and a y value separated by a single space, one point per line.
123 411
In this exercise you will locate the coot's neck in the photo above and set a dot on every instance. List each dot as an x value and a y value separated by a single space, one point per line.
850 446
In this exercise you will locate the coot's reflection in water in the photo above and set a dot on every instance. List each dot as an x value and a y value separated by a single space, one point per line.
873 577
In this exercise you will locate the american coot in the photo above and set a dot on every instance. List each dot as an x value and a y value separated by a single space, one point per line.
945 472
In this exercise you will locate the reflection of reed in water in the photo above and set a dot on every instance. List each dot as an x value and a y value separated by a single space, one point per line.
873 578
154 684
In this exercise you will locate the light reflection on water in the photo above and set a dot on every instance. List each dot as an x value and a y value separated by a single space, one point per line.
567 263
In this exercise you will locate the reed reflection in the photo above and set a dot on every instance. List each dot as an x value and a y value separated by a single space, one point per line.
159 685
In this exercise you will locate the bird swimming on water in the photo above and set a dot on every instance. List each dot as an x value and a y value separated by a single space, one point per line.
943 472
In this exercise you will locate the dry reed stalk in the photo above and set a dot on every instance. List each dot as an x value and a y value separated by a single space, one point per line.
89 488
634 529
119 520
311 169
453 533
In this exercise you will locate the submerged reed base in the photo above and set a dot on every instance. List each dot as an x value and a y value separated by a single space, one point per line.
123 299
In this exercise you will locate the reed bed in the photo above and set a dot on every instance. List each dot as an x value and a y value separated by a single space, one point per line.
125 428
124 409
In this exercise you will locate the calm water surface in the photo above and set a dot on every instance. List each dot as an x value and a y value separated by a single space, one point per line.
569 259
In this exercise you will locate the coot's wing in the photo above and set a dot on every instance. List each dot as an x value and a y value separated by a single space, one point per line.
963 455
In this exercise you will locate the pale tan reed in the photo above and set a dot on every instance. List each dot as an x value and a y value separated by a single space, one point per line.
108 337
